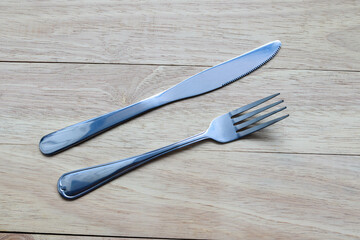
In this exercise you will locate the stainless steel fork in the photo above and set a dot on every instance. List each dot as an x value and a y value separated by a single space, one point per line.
225 128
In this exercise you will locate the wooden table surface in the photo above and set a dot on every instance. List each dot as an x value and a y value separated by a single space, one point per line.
62 62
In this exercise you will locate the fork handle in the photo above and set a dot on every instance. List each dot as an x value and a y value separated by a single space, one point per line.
74 134
77 183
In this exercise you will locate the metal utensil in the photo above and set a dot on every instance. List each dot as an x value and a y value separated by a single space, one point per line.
225 128
200 83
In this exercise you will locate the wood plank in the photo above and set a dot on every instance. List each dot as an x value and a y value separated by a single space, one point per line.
236 190
315 34
21 236
189 194
40 98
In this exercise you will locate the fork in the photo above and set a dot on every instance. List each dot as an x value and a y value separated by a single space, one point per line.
225 128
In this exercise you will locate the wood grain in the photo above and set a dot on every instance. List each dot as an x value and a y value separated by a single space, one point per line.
256 188
189 194
18 236
315 34
62 62
40 98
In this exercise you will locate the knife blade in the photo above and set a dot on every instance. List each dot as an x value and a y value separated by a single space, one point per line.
203 82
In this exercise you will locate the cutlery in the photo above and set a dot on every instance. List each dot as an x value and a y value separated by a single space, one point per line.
203 82
225 128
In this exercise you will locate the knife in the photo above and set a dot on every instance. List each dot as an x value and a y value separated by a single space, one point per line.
203 82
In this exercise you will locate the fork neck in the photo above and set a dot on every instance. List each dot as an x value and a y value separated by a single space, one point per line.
183 143
190 140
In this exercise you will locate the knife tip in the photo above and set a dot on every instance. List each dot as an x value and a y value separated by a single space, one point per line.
277 42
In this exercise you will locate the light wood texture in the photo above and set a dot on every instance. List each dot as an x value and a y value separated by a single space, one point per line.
18 236
190 194
207 191
316 34
298 179
41 98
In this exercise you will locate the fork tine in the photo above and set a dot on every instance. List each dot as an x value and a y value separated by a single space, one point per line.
252 121
251 105
260 126
250 114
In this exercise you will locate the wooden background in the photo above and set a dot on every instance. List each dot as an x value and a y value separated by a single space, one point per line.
62 62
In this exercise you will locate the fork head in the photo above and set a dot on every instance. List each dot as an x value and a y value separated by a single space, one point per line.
237 124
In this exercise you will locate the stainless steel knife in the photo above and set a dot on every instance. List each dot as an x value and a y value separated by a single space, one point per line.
203 82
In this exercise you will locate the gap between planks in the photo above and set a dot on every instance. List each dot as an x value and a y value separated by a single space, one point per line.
169 65
240 151
5 235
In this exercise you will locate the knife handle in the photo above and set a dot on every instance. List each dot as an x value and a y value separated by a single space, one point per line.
77 183
80 132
